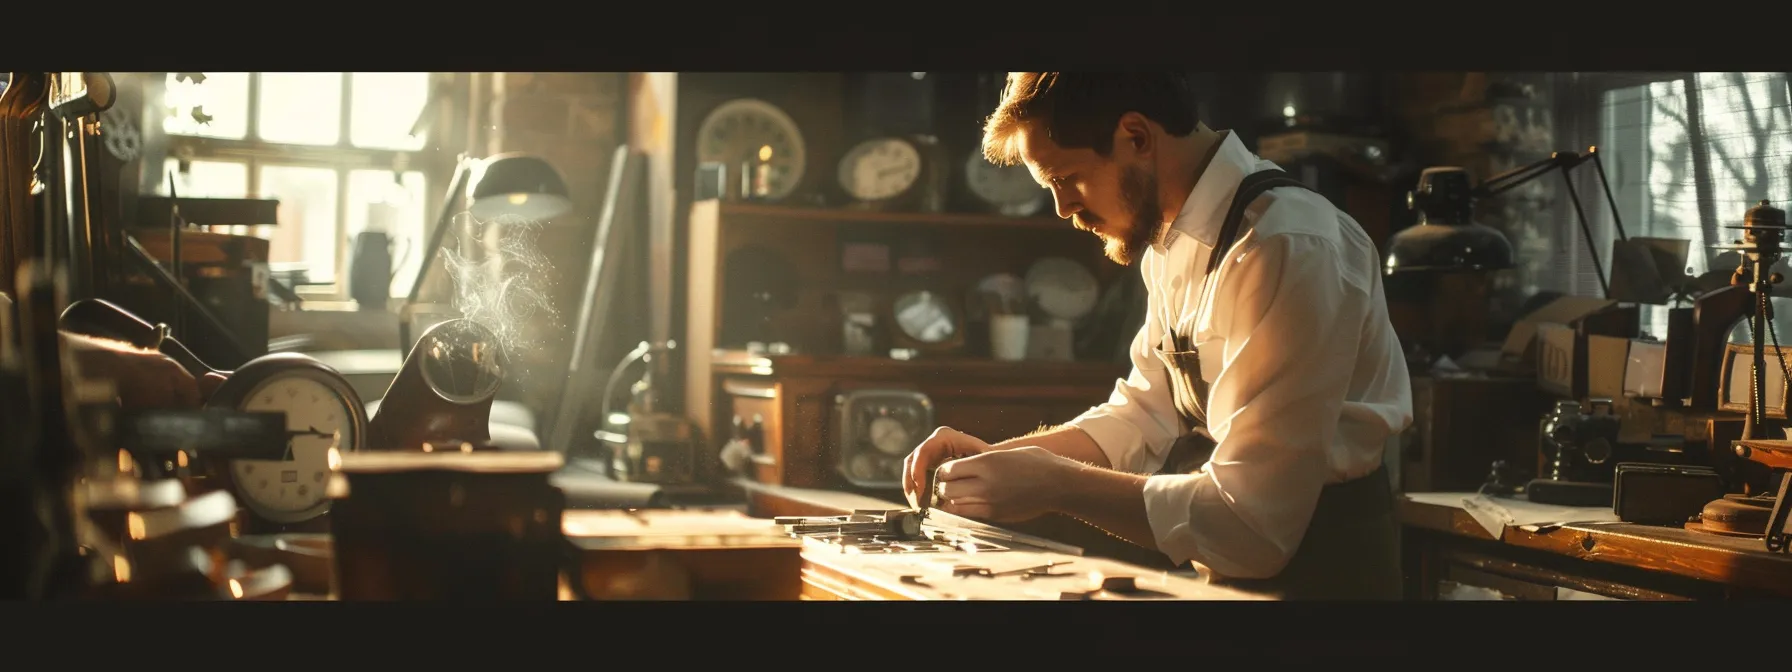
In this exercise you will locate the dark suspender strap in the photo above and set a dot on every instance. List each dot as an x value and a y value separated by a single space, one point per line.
1249 189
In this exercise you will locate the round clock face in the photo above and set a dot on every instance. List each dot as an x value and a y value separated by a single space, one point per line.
890 437
757 134
319 419
1010 188
883 426
880 169
1064 289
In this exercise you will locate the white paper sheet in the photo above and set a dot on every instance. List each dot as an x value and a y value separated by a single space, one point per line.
1495 514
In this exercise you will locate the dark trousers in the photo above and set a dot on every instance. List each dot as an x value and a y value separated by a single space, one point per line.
1351 550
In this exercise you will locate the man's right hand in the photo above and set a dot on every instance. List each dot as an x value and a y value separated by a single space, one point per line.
944 445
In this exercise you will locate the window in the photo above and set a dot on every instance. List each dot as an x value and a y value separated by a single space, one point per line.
1687 156
332 147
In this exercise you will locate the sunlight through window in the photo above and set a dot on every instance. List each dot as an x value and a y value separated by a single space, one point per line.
217 107
377 196
384 106
1745 129
306 237
301 108
206 179
316 142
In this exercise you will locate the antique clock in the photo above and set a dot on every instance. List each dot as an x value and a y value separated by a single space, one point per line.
760 146
894 173
876 429
1008 190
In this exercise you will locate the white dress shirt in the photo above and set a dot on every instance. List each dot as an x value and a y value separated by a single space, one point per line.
1306 379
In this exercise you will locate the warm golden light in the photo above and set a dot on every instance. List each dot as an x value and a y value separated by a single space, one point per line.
519 199
180 458
236 589
125 464
765 153
134 525
466 447
334 458
429 448
121 569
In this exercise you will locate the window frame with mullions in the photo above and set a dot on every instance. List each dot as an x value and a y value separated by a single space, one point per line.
1585 109
434 161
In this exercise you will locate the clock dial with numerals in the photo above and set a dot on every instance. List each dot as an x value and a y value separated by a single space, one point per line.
1009 189
318 419
880 169
890 436
755 133
324 419
881 427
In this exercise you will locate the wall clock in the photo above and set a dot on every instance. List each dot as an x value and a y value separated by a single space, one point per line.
875 430
760 146
1009 190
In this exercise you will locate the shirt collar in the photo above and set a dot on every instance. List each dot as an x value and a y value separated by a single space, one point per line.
1202 213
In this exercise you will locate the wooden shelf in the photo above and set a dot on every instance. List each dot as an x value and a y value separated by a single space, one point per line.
731 211
872 368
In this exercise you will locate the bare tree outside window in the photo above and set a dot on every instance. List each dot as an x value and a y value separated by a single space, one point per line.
1688 157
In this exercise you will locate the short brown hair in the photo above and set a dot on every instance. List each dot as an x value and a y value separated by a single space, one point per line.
1079 110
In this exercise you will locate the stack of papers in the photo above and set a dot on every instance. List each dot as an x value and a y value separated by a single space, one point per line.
1495 514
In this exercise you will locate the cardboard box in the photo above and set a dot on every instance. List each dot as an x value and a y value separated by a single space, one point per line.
1519 354
1607 357
1578 346
1645 370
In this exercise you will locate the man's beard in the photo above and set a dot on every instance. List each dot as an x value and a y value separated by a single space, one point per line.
1138 190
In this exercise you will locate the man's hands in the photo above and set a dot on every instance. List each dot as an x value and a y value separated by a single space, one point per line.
943 445
1004 486
1057 471
977 480
144 378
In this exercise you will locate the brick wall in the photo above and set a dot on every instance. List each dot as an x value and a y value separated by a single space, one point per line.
571 120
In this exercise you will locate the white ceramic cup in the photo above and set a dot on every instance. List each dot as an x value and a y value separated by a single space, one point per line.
1008 337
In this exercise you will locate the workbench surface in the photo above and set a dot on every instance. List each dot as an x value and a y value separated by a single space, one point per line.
1595 537
831 574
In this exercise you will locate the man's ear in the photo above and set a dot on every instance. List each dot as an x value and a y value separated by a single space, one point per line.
1135 131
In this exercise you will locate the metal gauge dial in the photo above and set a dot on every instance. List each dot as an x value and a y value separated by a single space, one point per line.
324 418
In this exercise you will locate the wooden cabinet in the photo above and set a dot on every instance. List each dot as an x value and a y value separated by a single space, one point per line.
793 398
795 394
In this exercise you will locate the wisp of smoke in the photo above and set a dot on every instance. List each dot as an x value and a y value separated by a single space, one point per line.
506 289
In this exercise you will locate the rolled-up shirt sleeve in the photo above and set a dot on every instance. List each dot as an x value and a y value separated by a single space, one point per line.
1137 425
1291 324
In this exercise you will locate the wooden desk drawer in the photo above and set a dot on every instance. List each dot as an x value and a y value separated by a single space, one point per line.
1520 581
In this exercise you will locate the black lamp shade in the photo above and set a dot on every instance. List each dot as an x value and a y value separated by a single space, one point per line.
1448 247
1446 237
518 185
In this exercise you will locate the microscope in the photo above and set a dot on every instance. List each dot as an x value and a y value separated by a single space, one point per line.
1763 441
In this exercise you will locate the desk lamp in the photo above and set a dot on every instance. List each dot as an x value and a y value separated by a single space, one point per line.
514 185
1447 238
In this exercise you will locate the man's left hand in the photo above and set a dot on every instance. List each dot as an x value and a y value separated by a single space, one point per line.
1004 486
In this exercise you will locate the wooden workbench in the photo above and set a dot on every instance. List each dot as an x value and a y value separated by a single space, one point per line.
829 574
1450 555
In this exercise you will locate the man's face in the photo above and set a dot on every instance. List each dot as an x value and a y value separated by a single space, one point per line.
1114 197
